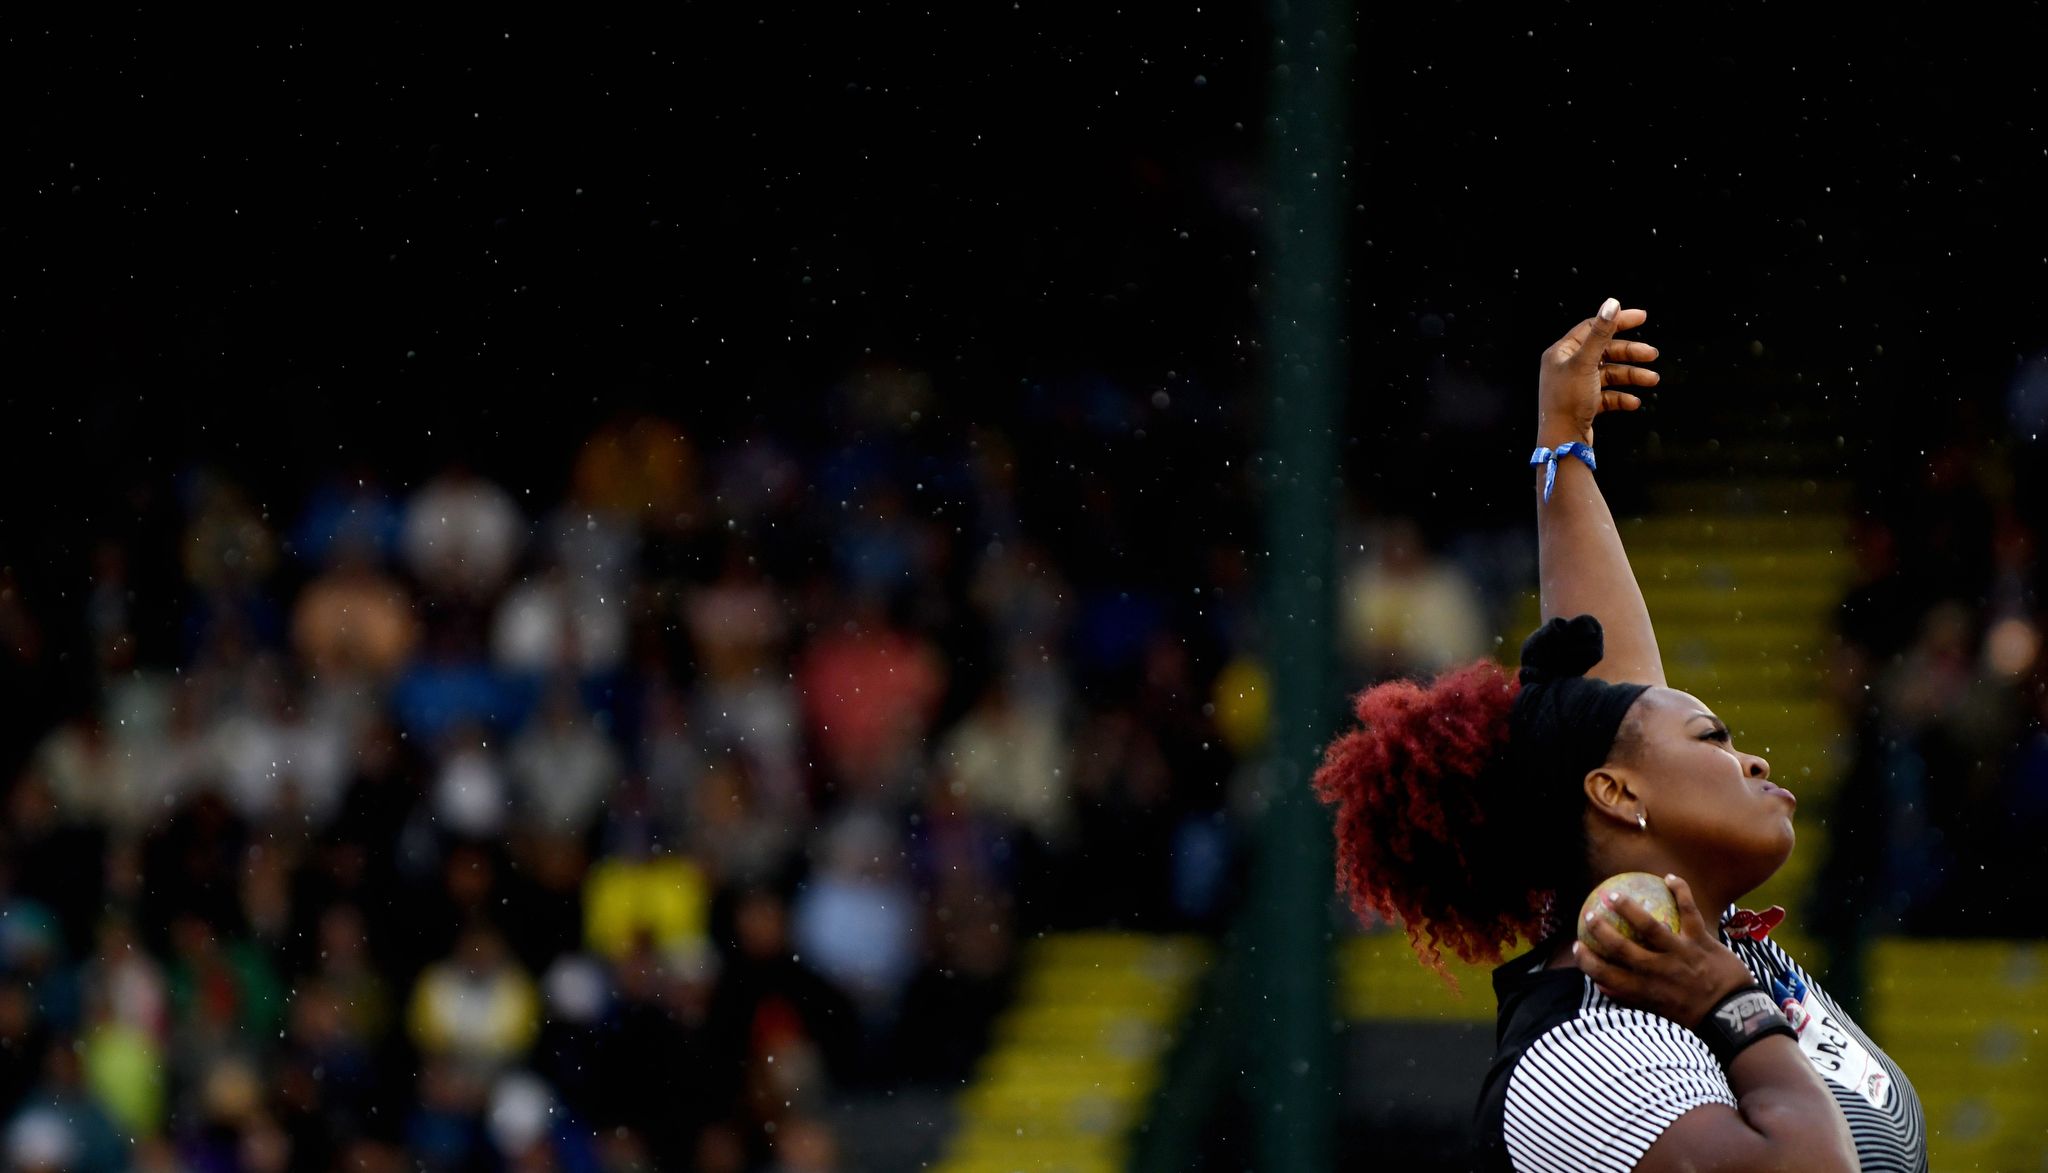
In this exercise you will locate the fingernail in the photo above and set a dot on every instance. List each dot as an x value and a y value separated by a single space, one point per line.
1591 916
1575 946
1614 898
1608 309
1671 878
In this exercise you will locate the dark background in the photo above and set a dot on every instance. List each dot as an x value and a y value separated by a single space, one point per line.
497 224
283 250
267 244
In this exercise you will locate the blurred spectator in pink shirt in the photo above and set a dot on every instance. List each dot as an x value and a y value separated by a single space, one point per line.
870 691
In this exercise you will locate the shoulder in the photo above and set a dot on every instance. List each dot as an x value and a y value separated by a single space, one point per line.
1619 1041
1595 1090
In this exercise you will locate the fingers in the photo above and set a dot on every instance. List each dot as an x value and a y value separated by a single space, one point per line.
1594 336
1603 326
1574 340
1619 401
1614 948
1689 917
1589 337
1620 351
1653 933
1608 977
1592 964
1622 375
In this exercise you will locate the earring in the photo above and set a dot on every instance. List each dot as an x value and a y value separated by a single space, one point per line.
1642 821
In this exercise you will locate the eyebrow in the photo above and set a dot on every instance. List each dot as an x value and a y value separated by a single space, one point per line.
1710 717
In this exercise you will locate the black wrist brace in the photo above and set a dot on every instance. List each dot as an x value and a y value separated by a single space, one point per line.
1740 1019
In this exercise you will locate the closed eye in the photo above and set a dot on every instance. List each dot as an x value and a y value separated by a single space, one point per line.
1716 735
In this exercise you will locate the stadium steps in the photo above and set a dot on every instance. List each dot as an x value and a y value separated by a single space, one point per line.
1760 495
1967 1020
1741 576
1076 1058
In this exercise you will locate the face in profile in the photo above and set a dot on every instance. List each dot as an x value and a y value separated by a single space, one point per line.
1710 805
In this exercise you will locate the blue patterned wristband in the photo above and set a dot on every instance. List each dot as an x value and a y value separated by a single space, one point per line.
1578 448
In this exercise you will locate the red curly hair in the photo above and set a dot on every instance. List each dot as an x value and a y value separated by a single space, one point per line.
1434 829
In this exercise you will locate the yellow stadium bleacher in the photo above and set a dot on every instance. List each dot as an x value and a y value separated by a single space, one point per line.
1967 1021
1076 1059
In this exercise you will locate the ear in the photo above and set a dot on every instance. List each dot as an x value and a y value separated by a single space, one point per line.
1610 795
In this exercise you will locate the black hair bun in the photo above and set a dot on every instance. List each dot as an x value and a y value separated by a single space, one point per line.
1562 647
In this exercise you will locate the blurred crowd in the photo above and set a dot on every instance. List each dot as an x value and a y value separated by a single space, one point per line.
1940 674
616 818
625 816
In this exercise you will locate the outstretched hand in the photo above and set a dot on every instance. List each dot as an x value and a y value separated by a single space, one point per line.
1582 370
1678 975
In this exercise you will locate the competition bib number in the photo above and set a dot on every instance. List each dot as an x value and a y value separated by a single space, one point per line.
1834 1052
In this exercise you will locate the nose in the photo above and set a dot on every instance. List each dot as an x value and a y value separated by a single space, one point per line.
1759 767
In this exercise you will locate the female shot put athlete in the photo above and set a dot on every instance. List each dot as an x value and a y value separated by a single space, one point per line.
1480 809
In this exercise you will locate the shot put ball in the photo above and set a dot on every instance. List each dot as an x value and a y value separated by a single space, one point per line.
1643 888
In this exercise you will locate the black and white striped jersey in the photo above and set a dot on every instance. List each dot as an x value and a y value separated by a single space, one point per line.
1579 1082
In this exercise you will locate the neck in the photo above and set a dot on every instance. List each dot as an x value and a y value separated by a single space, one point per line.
1712 901
1709 897
1713 889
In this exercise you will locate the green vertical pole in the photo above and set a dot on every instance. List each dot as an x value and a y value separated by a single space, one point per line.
1290 1069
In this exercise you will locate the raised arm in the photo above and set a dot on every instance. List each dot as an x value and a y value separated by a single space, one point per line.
1580 563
